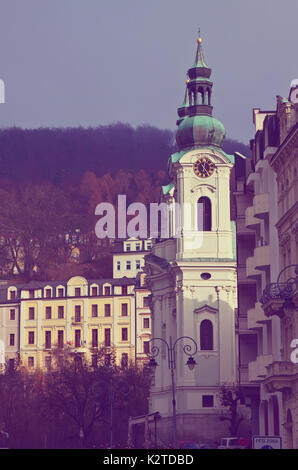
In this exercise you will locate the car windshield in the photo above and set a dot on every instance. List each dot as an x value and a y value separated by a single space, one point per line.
233 442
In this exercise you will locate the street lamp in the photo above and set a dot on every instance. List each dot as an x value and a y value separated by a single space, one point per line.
113 386
171 350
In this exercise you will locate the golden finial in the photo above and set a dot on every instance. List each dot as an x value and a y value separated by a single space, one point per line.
199 38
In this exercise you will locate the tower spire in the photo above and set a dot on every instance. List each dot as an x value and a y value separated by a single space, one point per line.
196 126
199 60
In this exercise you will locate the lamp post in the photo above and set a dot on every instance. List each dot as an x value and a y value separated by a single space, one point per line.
171 354
111 389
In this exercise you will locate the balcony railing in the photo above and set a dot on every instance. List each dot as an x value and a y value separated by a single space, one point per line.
274 290
282 290
282 376
282 368
76 319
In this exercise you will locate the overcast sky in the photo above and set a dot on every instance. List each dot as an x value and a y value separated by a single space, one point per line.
95 62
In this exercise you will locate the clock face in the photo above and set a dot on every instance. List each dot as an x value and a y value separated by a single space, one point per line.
203 167
294 95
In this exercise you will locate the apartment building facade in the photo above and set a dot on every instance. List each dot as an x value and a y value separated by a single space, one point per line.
268 200
280 299
128 256
80 316
128 261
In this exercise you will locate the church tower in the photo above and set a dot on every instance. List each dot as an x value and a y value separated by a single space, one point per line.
192 275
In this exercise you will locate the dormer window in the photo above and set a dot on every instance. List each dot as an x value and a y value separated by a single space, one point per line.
60 292
31 294
124 290
128 247
13 295
107 290
94 291
48 293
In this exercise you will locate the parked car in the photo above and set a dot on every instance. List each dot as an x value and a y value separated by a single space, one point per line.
4 440
234 443
188 445
193 445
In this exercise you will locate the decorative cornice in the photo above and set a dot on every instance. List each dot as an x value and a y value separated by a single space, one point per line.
205 308
287 215
285 148
204 185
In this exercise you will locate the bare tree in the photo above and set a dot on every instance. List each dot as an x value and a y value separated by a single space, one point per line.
230 397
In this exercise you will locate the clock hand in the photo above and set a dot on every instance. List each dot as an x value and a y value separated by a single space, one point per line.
204 168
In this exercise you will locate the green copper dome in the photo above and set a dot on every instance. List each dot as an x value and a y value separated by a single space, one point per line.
196 125
200 130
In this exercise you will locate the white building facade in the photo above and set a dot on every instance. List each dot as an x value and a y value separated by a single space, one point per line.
193 277
128 257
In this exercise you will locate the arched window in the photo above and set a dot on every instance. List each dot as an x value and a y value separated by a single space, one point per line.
200 96
206 335
209 96
204 214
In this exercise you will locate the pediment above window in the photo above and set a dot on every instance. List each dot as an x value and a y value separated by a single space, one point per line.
206 308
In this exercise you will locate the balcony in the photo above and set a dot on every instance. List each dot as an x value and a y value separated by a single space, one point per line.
261 205
278 297
242 324
281 376
256 317
257 370
244 374
242 229
251 270
242 275
251 221
260 261
262 257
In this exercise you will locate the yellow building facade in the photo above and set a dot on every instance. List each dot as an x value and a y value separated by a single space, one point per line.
79 316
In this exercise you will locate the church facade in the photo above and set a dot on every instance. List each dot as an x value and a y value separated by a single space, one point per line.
192 275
